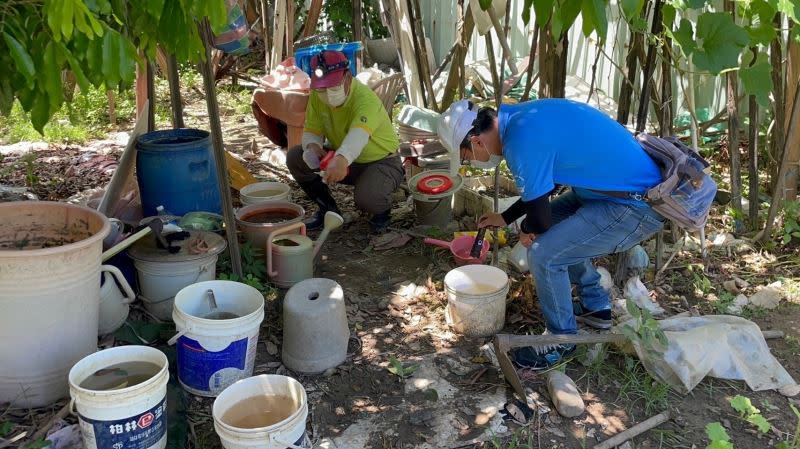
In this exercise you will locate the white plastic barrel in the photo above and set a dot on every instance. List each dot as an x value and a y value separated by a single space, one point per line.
49 296
290 432
260 192
126 418
213 354
476 299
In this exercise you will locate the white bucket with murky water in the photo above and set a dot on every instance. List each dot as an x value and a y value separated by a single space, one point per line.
260 192
476 299
127 418
214 353
288 433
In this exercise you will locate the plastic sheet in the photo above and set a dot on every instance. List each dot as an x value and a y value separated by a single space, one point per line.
721 346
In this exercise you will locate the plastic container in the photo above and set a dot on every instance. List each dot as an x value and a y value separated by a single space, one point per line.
315 329
176 168
162 275
261 192
303 56
114 303
213 354
49 296
125 418
476 299
434 209
290 432
256 232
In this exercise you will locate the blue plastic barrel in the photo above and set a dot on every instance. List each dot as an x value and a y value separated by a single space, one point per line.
175 168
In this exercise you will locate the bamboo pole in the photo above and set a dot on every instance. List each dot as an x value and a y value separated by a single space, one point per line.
466 26
219 151
649 67
752 152
531 60
174 92
357 29
732 82
497 81
422 52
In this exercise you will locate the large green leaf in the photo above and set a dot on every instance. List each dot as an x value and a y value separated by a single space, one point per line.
21 58
526 11
632 8
40 112
719 42
684 36
593 13
716 432
485 4
51 77
543 10
761 34
565 16
791 8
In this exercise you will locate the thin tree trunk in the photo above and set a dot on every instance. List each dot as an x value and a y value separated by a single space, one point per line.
649 67
465 28
776 60
666 90
310 26
560 78
631 63
267 36
174 92
531 60
733 132
545 62
357 29
752 150
792 146
422 52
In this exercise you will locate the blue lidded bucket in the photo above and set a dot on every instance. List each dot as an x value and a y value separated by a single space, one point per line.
175 168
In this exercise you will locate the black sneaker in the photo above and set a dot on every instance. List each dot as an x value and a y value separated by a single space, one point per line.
379 222
600 319
315 222
541 358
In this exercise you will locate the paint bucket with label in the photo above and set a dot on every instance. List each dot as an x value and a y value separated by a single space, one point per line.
214 351
130 412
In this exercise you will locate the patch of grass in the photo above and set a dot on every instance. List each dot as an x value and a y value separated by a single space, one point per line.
721 305
638 387
754 312
792 344
521 439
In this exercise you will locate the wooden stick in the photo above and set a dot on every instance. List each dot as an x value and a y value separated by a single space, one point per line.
638 429
116 249
772 334
42 432
312 17
6 443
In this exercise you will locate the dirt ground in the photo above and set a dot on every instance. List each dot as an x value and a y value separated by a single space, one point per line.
452 392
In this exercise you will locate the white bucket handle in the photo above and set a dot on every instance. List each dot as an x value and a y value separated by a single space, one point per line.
273 439
175 337
120 278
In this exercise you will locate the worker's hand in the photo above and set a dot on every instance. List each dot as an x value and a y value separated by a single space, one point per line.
491 220
526 239
312 155
336 171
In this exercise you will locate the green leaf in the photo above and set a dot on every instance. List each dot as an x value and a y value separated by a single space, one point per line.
762 10
21 58
5 428
543 10
760 422
718 444
719 42
41 443
40 112
53 13
431 395
76 68
684 36
761 34
526 11
593 13
51 76
111 58
757 79
395 367
67 7
632 8
633 309
565 16
743 405
716 432
668 14
791 8
485 4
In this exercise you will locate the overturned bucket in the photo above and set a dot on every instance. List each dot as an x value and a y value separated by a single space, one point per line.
213 353
434 206
241 423
476 299
120 396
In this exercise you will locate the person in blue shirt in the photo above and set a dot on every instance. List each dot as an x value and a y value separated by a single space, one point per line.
557 142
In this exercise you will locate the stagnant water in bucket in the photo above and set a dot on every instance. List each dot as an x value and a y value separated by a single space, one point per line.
221 315
259 411
120 375
270 216
285 242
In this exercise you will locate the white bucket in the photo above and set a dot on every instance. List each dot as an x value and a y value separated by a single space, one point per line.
161 281
127 418
114 304
213 354
476 299
290 432
257 192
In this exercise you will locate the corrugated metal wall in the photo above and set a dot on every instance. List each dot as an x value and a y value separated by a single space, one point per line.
440 23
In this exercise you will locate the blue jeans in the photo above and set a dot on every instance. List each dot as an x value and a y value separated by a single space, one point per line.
582 230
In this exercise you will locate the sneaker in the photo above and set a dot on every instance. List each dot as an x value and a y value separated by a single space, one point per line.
379 222
600 319
541 358
315 222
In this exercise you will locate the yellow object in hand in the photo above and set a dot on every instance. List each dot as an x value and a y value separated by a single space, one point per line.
501 235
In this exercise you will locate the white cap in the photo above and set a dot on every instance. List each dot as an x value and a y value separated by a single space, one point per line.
454 125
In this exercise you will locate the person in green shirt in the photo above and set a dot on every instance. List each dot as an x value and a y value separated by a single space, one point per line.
356 125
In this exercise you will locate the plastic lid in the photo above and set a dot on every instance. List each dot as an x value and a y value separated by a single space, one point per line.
420 195
434 184
147 250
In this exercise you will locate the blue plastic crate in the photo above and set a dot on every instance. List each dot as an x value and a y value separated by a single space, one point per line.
303 56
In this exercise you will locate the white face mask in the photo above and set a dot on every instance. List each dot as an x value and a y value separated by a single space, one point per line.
334 96
494 161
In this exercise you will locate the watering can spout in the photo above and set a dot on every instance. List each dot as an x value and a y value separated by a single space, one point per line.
332 221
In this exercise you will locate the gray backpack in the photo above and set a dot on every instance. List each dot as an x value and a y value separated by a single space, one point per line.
686 190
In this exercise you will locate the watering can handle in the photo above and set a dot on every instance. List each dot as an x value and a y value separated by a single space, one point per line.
437 242
272 235
126 288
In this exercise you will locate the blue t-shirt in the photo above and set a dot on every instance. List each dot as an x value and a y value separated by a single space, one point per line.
557 141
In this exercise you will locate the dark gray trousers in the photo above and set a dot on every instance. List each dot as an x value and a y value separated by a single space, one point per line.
375 182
